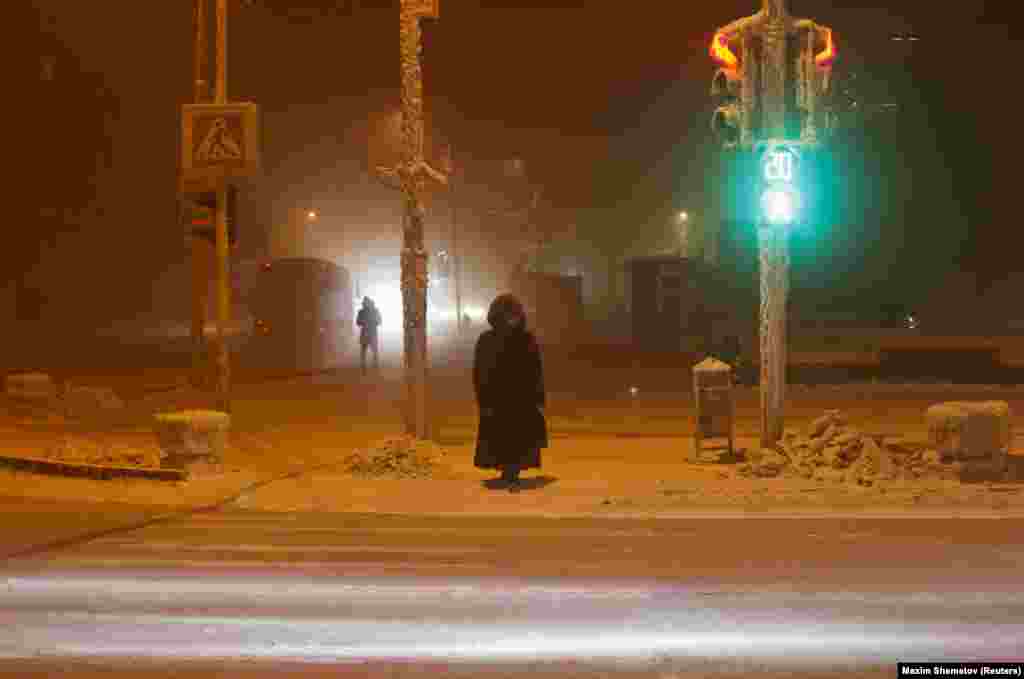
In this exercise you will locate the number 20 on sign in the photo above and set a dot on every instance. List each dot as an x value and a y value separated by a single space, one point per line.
778 166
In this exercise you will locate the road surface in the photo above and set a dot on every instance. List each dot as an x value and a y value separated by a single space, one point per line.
235 593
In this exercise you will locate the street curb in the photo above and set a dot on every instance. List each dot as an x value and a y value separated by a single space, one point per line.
163 388
168 517
696 514
93 471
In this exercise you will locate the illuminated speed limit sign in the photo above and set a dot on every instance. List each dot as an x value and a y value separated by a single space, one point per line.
779 165
780 200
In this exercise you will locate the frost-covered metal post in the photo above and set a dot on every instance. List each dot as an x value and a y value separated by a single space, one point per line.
410 176
223 357
755 117
202 249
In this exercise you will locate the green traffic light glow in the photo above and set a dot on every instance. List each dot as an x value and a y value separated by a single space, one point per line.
779 206
779 166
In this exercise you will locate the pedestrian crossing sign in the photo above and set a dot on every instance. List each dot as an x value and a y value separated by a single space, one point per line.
219 141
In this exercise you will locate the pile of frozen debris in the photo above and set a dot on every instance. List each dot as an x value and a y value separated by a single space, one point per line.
402 457
829 450
964 439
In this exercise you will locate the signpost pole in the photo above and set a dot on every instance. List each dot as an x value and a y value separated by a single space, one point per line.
223 287
202 248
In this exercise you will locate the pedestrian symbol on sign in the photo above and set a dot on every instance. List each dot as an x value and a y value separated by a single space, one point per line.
218 144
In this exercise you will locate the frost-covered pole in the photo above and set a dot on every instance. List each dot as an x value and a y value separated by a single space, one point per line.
223 359
810 83
414 256
774 268
772 238
756 112
411 175
754 117
202 249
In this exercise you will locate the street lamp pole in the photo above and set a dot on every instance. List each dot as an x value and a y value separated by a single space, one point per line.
455 240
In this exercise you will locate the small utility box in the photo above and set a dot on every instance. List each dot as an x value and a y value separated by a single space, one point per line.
713 411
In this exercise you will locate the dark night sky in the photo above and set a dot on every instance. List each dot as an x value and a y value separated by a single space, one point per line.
607 102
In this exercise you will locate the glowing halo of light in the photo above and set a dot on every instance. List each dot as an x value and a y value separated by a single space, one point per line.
828 55
779 205
721 53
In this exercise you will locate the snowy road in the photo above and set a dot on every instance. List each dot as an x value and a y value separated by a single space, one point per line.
305 593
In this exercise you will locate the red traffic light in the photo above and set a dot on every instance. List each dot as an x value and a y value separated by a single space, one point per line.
829 54
721 53
201 216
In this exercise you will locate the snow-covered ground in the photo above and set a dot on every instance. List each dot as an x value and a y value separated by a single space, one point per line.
609 455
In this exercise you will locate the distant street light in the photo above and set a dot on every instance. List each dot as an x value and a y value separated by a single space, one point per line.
682 220
311 215
49 67
515 167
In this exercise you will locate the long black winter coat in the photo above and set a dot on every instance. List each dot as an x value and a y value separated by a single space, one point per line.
509 382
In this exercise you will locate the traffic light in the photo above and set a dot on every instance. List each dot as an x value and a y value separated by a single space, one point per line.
201 214
780 190
814 56
727 120
726 86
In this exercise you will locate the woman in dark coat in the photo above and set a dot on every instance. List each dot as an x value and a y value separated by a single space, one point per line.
509 383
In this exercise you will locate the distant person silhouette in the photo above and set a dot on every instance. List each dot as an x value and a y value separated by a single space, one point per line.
368 319
509 383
